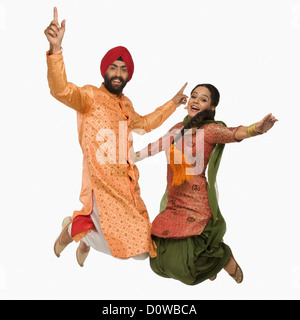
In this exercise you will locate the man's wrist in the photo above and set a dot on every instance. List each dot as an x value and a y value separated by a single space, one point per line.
55 50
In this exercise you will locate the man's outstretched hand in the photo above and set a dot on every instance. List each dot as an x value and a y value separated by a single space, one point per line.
55 33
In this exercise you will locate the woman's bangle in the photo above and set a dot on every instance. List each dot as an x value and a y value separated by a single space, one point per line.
251 130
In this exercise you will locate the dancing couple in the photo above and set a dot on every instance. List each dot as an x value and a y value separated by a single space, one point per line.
185 240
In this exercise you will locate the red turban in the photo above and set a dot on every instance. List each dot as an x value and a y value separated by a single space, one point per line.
112 55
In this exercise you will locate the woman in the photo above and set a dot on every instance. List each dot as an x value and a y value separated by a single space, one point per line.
189 229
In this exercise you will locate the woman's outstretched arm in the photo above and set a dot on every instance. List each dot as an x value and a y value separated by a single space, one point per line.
255 129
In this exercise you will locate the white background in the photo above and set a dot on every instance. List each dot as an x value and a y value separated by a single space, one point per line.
249 50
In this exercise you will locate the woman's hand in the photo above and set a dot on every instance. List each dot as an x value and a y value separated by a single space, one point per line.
265 124
137 157
55 33
180 97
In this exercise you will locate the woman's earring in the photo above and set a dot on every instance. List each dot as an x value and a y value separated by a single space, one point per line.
186 107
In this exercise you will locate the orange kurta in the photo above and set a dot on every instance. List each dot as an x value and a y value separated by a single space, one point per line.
104 125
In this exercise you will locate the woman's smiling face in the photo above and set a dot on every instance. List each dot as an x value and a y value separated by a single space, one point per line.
200 100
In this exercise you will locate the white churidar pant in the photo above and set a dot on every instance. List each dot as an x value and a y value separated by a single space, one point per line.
96 239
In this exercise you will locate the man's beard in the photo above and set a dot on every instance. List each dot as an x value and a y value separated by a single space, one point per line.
115 89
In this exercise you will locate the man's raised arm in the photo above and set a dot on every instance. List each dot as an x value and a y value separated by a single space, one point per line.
62 90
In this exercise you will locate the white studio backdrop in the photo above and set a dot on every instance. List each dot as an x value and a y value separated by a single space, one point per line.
250 50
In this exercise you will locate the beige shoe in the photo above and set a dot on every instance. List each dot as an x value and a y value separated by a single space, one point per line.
59 245
82 253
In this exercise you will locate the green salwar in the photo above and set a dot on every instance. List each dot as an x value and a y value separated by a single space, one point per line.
190 260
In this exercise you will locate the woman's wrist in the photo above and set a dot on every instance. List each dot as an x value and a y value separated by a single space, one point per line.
137 156
252 131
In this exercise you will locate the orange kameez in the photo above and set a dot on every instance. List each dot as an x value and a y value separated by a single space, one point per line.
104 125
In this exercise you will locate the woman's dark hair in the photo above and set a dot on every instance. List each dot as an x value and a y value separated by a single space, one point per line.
205 114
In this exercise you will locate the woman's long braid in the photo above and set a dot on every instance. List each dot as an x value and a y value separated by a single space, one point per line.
201 116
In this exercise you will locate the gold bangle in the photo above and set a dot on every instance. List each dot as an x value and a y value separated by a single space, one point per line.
251 130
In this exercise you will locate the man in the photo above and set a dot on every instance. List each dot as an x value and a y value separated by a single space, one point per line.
114 218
